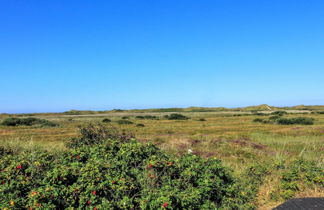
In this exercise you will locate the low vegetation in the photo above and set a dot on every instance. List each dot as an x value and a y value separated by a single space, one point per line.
176 117
30 121
286 121
268 162
124 122
106 120
119 173
147 117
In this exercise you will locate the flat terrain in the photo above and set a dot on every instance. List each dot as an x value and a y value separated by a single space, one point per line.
231 136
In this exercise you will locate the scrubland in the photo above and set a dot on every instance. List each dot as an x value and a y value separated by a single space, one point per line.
269 162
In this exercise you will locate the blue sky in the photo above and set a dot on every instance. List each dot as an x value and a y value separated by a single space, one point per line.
61 55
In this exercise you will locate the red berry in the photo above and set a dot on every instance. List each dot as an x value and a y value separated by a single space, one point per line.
94 192
19 167
165 205
89 202
94 208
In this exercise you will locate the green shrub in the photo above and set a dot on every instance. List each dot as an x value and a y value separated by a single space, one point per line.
140 125
139 117
106 120
297 120
30 121
124 122
176 117
92 134
279 113
101 173
202 119
258 120
125 117
299 173
148 117
274 117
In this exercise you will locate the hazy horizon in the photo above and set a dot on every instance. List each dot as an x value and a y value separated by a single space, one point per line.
111 109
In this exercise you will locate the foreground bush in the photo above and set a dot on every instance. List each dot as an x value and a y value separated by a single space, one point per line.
30 121
120 173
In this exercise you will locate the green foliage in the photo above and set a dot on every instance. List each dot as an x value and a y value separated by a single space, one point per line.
147 117
258 120
299 173
93 134
116 173
297 120
106 120
125 117
176 116
124 122
140 125
30 121
202 119
277 119
274 117
279 113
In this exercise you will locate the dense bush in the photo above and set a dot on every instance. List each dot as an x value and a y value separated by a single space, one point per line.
140 125
125 117
124 122
148 117
258 120
276 119
93 134
116 173
279 113
202 119
30 121
297 120
106 120
176 117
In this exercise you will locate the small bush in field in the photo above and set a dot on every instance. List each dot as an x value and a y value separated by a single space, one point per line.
286 121
147 117
125 117
106 120
202 119
124 122
176 117
279 113
30 121
297 120
92 134
258 120
140 125
274 117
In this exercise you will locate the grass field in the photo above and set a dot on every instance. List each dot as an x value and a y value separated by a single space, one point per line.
231 136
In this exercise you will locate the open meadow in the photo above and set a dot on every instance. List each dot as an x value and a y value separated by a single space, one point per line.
273 161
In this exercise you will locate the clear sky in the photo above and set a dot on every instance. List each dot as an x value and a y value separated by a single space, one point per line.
58 55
